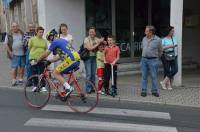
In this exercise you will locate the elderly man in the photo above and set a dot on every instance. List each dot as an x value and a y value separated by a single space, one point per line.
151 51
15 50
30 33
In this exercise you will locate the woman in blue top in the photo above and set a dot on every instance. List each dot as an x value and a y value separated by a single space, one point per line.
170 66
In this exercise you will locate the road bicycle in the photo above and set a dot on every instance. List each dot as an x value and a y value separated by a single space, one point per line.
79 100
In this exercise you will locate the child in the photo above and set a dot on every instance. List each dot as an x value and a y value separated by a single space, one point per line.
111 56
100 67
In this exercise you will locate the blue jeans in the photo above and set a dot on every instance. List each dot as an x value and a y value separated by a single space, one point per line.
90 69
149 66
28 65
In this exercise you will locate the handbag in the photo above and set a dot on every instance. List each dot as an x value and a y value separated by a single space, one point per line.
84 53
170 55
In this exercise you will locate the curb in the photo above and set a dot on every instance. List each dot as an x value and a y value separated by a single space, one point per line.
119 99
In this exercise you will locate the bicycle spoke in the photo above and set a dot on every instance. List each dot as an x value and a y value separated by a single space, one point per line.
80 100
37 92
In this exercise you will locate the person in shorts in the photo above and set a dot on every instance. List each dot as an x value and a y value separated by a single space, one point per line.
70 59
100 67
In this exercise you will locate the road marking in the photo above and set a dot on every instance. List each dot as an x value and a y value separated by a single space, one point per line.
96 125
114 111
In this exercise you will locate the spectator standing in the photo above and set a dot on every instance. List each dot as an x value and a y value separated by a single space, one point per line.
111 56
100 67
63 33
37 45
151 52
15 52
91 43
170 66
30 33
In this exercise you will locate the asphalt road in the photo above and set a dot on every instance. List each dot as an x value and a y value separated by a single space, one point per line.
109 116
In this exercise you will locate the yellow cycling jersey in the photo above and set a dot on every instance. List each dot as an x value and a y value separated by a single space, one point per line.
76 57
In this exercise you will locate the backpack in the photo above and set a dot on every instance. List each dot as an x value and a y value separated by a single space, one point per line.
84 53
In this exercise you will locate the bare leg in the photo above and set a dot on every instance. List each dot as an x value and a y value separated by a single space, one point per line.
21 73
164 83
165 80
169 85
100 83
172 80
59 77
14 75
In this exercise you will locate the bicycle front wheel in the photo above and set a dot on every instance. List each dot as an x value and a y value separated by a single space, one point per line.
37 91
80 100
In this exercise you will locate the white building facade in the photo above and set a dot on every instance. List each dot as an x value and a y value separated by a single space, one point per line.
126 19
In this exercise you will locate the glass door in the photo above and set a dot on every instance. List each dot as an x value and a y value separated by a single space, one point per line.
140 22
161 15
127 19
123 28
98 14
149 12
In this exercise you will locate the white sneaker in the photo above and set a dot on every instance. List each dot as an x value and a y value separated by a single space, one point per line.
163 85
69 91
14 82
34 89
43 89
20 81
169 88
101 92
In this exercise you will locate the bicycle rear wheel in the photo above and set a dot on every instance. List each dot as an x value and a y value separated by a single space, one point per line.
37 91
80 100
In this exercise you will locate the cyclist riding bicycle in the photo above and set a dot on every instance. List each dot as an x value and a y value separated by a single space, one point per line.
70 59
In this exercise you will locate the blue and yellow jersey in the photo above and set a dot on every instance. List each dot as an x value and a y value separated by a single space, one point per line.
62 48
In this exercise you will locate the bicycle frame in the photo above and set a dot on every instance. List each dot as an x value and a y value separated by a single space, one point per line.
78 97
71 78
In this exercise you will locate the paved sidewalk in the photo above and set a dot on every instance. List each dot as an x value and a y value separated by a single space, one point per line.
4 67
129 87
187 95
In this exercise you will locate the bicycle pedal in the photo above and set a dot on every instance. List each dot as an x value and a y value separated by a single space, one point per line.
63 99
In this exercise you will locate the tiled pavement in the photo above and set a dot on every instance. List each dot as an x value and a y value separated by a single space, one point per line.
129 87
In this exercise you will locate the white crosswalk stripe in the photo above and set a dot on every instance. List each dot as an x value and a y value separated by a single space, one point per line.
96 125
102 125
114 111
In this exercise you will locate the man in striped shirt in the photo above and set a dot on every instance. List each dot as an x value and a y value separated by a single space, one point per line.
27 36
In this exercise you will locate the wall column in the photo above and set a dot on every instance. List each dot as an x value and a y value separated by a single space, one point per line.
176 20
41 5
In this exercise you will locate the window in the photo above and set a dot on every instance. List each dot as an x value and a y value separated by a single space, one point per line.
149 12
98 14
123 30
160 15
140 22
